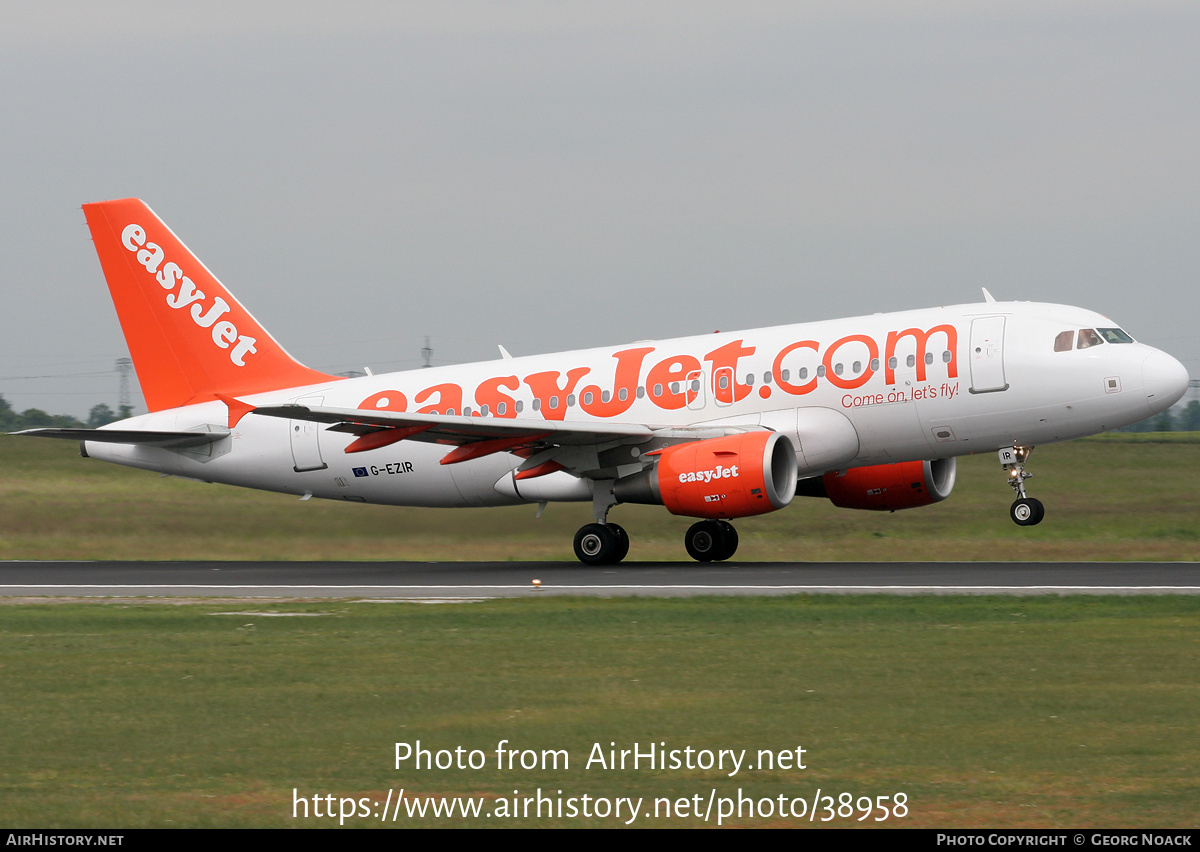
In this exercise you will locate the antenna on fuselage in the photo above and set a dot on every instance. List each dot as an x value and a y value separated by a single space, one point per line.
987 297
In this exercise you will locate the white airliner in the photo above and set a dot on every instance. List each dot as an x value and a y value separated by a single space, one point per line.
869 412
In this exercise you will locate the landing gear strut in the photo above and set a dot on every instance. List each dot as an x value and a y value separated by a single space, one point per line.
711 541
1025 511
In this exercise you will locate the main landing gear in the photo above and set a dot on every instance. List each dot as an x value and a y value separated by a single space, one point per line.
604 543
601 544
607 543
1025 511
711 541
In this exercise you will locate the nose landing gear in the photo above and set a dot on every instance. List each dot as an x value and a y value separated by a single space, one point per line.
1025 511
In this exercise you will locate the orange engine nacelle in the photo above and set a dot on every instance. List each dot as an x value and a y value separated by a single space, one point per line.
732 477
886 487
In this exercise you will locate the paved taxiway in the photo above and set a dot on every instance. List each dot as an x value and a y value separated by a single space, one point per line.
471 580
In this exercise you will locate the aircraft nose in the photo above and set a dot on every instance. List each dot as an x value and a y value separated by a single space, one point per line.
1164 379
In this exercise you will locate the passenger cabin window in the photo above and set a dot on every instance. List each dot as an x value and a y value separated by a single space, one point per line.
1114 335
1064 341
1088 337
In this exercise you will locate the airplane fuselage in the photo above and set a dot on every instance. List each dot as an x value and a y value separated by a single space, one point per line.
916 385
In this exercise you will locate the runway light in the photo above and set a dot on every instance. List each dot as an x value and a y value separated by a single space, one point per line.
537 585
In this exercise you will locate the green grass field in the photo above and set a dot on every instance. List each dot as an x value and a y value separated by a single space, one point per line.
983 712
1118 497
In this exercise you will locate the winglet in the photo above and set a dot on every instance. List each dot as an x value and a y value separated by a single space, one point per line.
237 408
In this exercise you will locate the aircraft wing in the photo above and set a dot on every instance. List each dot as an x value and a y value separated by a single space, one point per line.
450 429
141 437
539 441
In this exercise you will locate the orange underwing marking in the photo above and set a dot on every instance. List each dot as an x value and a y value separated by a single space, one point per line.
539 470
485 448
375 440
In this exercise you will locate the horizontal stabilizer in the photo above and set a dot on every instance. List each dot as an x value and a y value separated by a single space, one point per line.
141 437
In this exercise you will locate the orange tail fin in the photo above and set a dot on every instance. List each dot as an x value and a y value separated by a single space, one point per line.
189 338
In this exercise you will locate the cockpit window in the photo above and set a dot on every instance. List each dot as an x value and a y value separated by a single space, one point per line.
1088 337
1114 335
1064 341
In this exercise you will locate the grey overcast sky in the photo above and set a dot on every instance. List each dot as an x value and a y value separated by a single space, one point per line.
554 175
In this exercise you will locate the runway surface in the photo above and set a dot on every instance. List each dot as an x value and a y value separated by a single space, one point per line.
473 580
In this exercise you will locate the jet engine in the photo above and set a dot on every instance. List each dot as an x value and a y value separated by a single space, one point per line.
731 477
885 487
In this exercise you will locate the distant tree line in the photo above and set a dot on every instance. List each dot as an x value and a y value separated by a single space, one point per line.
35 418
1186 419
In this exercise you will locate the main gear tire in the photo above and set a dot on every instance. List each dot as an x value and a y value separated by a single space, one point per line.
597 544
706 541
731 541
